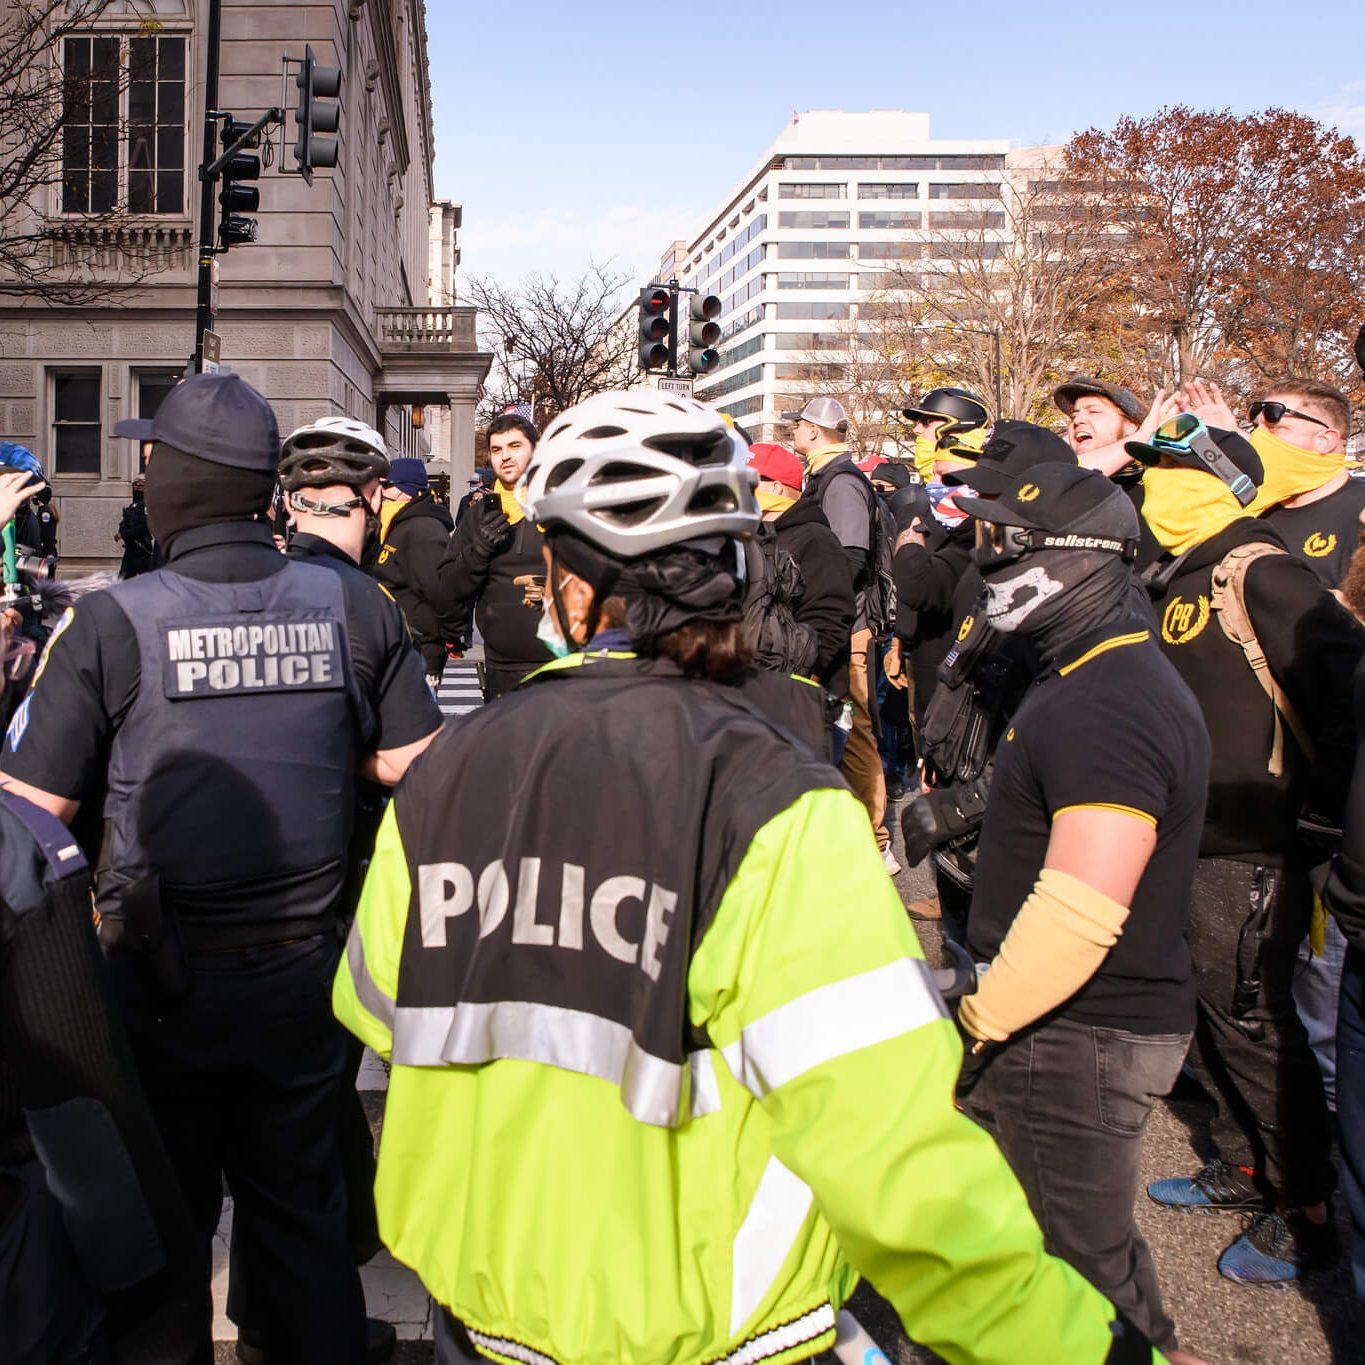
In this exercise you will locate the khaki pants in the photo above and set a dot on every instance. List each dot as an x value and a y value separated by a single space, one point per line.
862 765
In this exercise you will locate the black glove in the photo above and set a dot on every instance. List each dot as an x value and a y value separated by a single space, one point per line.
492 531
908 505
938 817
977 1054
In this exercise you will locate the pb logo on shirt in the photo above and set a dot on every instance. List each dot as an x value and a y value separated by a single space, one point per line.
1183 620
1319 546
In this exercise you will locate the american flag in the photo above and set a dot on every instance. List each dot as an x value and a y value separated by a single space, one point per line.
522 410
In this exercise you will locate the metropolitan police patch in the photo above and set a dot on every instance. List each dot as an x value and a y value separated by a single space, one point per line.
227 656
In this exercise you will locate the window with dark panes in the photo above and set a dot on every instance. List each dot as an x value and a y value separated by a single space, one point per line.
91 75
76 422
123 135
886 190
156 125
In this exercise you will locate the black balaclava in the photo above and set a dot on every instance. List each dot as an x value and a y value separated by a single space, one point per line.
1055 596
185 492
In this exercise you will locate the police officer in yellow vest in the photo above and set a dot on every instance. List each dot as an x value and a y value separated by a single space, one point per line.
669 1072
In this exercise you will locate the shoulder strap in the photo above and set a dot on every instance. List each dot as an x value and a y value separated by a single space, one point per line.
1229 601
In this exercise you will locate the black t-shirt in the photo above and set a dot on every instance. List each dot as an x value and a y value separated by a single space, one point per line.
60 739
1324 534
1111 725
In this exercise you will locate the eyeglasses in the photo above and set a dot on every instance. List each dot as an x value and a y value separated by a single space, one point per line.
1186 440
1277 412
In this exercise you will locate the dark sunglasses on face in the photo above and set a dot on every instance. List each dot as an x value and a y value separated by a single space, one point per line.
1276 412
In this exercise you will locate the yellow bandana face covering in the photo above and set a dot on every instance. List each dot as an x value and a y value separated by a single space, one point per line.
1184 506
926 452
773 503
960 453
514 511
1290 471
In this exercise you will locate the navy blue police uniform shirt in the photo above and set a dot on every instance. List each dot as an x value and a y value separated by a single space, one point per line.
1324 534
60 738
1112 725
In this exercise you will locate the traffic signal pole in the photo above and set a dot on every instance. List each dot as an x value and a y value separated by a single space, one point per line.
203 313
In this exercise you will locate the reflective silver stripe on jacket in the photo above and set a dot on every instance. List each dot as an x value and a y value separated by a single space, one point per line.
833 1020
808 1327
655 1091
776 1214
367 989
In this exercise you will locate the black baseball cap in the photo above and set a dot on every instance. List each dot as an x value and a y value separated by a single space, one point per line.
1013 448
1083 386
1059 497
217 417
1232 443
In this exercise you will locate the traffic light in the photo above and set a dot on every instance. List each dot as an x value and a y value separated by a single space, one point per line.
236 199
703 332
657 324
318 85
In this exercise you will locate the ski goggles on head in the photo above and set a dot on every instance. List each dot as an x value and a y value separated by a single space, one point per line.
1186 440
1277 412
998 543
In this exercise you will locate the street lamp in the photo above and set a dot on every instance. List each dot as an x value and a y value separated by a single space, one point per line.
994 334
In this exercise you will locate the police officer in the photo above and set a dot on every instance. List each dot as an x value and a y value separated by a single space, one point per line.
588 1022
218 710
1270 656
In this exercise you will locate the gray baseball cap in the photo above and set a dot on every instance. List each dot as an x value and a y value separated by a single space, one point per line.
1083 386
823 412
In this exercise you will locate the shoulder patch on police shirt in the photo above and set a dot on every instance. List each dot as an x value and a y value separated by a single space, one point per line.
224 656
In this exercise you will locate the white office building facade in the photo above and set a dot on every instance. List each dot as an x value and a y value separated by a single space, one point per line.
817 230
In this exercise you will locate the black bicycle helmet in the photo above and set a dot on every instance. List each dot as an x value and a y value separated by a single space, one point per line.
334 450
960 410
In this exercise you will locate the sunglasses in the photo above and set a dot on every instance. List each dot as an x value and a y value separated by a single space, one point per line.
997 543
1186 440
1277 412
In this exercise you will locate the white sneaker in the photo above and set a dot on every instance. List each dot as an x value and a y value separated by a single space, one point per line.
889 861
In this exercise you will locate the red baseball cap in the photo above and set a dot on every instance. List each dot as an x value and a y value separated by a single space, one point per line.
776 462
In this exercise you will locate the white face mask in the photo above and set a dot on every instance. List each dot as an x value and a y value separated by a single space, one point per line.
549 633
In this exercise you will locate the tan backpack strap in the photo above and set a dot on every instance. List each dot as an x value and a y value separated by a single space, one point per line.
1229 601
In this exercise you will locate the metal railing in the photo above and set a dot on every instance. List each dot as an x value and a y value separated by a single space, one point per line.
437 329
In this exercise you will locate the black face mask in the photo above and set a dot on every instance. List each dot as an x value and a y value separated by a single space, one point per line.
1053 596
184 492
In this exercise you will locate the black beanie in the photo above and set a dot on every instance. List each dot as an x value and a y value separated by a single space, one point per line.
185 492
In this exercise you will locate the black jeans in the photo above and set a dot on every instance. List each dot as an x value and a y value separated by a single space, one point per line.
245 1076
499 678
1351 1103
1068 1104
1251 1050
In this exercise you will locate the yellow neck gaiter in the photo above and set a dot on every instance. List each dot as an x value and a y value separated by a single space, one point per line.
510 506
1290 471
388 509
1185 506
960 453
818 459
773 503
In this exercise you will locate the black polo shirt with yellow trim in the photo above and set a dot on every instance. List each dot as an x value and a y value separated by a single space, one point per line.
1324 534
1110 724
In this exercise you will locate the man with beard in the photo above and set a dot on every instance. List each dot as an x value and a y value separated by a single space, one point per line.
1087 852
492 566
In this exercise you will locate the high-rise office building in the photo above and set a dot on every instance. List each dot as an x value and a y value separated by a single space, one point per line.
816 230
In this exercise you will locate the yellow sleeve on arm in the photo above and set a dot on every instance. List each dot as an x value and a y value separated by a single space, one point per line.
1059 938
365 992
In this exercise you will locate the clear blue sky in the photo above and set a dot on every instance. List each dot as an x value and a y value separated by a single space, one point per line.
607 129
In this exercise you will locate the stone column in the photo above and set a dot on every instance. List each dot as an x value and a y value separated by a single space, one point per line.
462 410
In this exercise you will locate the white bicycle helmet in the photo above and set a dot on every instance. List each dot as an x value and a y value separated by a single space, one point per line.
330 451
637 471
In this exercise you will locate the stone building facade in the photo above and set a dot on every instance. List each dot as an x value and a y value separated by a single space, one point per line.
345 305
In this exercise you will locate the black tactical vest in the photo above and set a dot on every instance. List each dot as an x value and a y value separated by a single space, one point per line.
234 767
568 849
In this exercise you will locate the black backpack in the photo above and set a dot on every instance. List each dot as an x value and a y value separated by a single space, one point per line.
780 642
879 595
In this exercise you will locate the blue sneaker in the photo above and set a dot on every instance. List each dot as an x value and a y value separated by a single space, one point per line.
1218 1188
1278 1249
